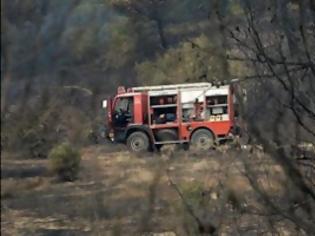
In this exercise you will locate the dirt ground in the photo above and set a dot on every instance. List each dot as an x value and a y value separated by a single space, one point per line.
117 193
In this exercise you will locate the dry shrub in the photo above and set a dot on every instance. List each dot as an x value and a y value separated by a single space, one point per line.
65 162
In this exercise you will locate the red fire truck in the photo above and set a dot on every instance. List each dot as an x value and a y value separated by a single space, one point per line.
198 114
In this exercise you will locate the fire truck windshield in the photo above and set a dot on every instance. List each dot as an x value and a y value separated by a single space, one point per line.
123 110
123 105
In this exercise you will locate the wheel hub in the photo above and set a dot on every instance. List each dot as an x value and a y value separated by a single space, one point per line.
204 143
137 144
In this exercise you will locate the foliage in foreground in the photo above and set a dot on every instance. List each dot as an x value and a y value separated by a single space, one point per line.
65 162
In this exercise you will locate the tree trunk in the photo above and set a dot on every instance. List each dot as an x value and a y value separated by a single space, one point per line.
160 29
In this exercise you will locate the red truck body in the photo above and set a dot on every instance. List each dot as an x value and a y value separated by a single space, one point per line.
148 117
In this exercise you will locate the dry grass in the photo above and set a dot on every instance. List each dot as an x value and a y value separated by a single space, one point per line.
118 193
13 187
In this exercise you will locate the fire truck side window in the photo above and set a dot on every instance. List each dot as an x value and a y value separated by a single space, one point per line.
163 108
217 105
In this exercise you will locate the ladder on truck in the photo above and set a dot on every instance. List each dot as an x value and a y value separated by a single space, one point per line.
200 85
172 87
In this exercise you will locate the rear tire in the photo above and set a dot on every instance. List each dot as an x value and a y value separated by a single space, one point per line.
202 140
138 142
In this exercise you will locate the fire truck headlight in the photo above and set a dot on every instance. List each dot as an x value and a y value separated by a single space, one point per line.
189 128
104 103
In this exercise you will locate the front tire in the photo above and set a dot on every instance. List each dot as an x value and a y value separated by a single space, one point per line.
138 142
202 140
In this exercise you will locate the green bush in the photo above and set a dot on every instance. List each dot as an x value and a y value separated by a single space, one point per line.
65 162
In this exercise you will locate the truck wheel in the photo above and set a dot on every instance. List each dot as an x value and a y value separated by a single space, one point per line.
202 140
138 142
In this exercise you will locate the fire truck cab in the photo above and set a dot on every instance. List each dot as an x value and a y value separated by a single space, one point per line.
197 114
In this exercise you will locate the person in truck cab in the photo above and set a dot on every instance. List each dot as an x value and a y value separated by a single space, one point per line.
123 113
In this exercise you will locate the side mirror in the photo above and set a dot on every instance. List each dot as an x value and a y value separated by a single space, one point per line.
104 103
